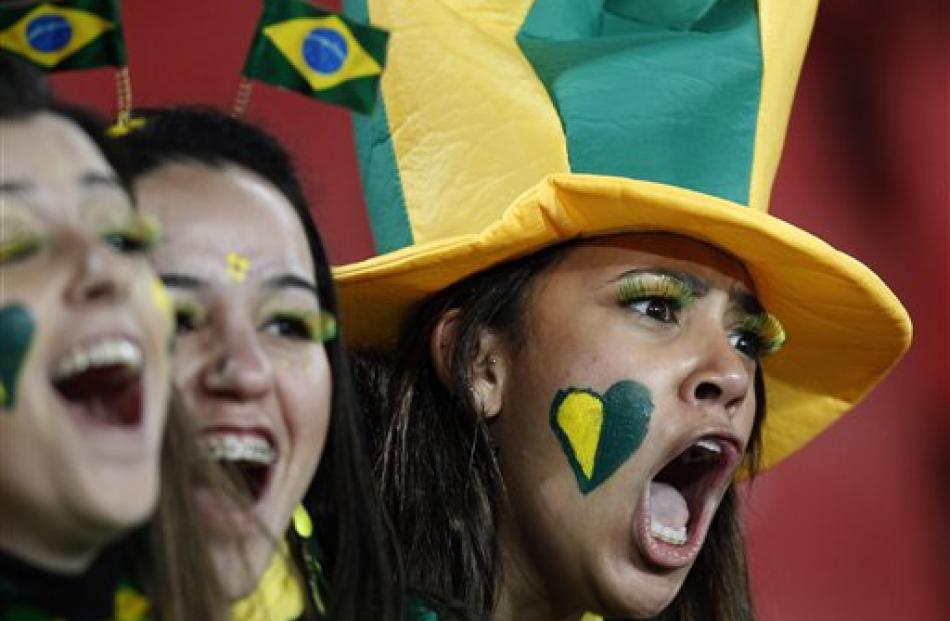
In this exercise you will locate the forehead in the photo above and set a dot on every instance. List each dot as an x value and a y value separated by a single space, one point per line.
48 153
211 214
603 259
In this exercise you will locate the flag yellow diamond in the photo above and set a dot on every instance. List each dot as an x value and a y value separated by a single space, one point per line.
323 50
48 34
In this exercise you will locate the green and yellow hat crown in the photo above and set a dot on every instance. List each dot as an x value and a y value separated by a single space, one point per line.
509 125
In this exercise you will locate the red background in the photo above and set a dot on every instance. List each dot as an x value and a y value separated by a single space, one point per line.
855 526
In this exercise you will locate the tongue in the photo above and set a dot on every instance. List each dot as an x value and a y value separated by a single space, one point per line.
667 506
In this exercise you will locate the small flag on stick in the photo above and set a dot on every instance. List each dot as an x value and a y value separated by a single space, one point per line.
71 34
317 53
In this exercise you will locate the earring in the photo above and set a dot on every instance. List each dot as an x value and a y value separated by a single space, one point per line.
492 361
310 550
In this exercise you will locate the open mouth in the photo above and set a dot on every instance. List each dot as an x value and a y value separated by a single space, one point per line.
683 496
247 457
103 381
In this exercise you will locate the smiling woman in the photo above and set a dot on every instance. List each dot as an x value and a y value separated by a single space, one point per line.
84 373
261 372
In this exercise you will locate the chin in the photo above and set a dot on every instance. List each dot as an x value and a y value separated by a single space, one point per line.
638 593
120 503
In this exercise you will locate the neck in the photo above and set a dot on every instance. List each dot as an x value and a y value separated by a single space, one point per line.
32 540
521 594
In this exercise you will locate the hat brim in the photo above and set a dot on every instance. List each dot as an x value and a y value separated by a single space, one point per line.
845 328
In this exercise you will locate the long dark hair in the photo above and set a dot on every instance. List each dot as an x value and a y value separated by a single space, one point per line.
168 553
357 547
438 472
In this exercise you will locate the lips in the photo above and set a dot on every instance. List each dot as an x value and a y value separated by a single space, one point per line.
247 456
101 380
680 501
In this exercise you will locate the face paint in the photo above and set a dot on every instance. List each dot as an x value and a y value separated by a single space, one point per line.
16 334
237 266
599 433
161 299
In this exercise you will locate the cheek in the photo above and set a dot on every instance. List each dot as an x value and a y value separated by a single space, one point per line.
17 329
597 432
306 389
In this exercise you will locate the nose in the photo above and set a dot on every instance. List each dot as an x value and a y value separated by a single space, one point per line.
239 369
719 378
100 275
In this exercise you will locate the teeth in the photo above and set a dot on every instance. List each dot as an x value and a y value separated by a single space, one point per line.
108 352
675 536
233 447
710 445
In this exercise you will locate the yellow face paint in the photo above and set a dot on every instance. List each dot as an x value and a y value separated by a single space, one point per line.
581 418
238 266
160 297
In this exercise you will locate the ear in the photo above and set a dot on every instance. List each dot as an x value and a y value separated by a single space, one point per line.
490 371
489 367
442 344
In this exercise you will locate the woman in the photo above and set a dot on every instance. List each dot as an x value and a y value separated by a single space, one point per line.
260 367
572 369
85 327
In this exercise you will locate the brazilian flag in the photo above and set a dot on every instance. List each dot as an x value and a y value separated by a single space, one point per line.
318 53
71 34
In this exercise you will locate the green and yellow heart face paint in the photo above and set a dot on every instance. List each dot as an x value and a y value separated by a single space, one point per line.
17 328
598 433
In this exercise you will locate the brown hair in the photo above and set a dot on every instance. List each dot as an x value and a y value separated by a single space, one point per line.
175 565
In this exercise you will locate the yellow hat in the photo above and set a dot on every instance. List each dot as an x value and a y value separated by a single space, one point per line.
510 125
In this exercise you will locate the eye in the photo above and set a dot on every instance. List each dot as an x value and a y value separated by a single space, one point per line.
288 326
140 235
19 248
186 319
747 344
758 336
123 242
660 309
657 296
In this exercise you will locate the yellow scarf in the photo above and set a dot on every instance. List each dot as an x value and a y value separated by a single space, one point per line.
278 596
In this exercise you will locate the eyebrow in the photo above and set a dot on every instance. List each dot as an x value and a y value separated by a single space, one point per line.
291 281
743 299
746 301
95 179
14 187
181 281
88 179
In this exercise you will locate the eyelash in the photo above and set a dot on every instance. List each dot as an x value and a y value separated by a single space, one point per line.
657 289
316 326
140 235
651 289
20 248
186 318
767 332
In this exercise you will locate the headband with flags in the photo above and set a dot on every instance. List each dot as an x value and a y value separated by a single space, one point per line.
317 53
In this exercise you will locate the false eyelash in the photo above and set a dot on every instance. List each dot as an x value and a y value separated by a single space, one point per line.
767 329
141 234
20 247
642 286
321 325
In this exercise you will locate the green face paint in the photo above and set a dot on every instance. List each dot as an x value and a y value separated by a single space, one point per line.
599 433
16 334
